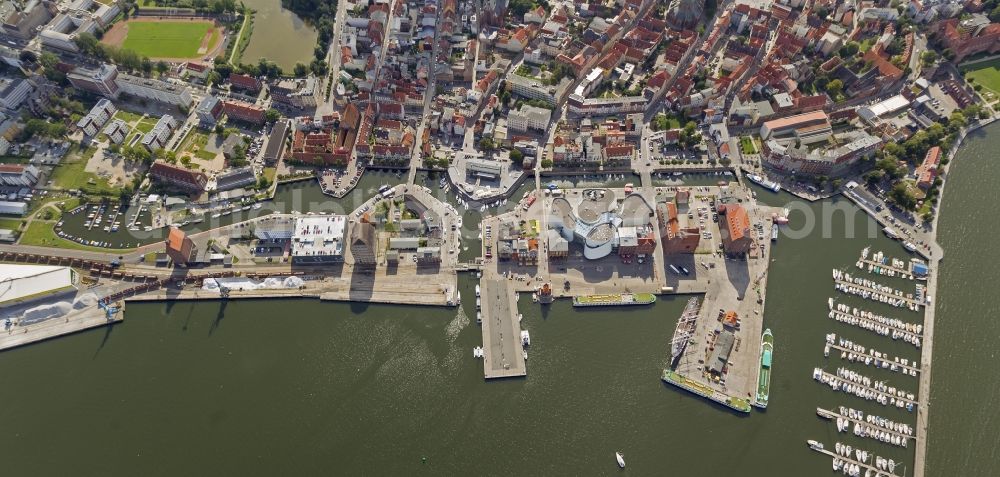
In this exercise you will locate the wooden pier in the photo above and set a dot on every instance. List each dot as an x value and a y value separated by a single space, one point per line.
854 461
904 273
843 381
501 331
868 354
833 415
877 323
911 301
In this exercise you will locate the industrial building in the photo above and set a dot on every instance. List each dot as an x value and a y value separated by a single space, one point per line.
24 283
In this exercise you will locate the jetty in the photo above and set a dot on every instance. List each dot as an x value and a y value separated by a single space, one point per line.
504 349
73 322
875 360
853 288
830 415
853 461
840 383
860 321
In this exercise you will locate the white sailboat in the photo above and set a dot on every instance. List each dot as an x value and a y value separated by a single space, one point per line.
620 459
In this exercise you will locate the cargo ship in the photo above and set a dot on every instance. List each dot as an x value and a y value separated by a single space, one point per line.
763 182
614 299
764 377
705 391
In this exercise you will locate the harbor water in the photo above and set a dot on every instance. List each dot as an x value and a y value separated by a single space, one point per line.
306 387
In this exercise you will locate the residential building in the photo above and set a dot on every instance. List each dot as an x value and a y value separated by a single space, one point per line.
178 177
529 118
676 239
158 137
209 110
969 36
234 179
102 80
14 91
98 116
117 130
298 93
836 160
154 90
243 112
245 83
927 171
23 22
276 142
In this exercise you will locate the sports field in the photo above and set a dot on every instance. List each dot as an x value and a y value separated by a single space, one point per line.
986 73
175 39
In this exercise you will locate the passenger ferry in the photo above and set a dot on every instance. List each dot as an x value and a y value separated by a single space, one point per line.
761 181
764 376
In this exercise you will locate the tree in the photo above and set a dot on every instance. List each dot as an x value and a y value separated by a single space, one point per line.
547 163
902 196
486 144
162 67
272 115
835 87
219 129
299 70
517 157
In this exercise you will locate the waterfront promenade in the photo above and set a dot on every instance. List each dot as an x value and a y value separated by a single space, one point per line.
501 331
75 321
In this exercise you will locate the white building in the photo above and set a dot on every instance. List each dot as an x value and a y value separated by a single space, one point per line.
157 137
529 117
154 90
318 239
13 208
117 131
883 109
14 91
22 283
98 116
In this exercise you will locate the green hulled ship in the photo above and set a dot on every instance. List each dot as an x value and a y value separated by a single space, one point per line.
618 299
703 390
764 377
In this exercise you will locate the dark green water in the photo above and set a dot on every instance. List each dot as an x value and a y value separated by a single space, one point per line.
301 387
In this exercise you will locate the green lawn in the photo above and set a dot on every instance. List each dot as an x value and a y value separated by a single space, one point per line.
986 73
70 174
146 125
42 234
10 223
128 117
746 145
167 39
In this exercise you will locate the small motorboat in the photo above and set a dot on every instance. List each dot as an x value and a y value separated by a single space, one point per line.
620 459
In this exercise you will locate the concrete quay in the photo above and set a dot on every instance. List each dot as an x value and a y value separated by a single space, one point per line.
73 322
501 331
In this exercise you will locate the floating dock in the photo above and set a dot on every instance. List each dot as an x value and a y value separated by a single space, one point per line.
737 404
893 294
504 351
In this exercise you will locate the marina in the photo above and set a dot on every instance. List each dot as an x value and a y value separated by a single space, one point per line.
880 264
870 290
856 353
851 463
865 388
881 325
869 426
